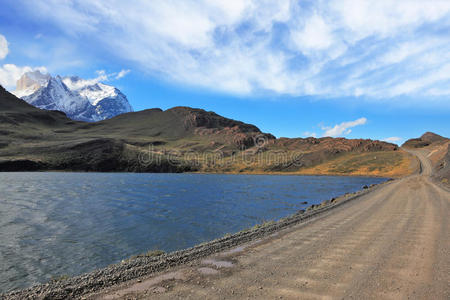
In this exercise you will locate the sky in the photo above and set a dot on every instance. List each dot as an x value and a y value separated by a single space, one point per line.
375 69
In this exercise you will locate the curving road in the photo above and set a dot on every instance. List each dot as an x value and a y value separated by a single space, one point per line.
393 243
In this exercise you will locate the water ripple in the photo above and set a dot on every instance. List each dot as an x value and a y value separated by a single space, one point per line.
69 223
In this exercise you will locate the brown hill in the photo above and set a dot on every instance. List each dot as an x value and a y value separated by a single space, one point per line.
438 150
175 140
426 139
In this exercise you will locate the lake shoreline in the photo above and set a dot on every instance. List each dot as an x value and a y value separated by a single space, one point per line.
140 266
296 174
217 173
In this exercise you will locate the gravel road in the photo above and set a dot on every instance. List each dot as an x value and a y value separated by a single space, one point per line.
392 243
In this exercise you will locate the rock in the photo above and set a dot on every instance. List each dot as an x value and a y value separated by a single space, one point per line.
324 203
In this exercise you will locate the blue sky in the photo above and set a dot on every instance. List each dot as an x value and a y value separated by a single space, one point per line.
359 69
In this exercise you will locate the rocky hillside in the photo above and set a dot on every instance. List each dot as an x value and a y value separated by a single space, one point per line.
175 140
438 150
427 139
443 167
79 99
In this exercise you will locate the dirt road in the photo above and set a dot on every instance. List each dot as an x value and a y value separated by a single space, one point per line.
393 243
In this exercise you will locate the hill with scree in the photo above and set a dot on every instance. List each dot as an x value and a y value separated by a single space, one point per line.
437 149
179 139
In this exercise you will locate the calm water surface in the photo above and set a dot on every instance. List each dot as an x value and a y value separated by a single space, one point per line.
69 223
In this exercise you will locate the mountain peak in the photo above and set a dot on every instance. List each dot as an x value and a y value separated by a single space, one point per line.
30 82
428 138
81 99
432 137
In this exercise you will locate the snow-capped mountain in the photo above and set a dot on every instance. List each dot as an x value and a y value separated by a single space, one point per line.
80 99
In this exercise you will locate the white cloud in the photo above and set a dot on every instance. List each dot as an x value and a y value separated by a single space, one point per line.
376 48
314 35
122 74
393 139
10 73
3 47
386 18
343 128
80 83
102 76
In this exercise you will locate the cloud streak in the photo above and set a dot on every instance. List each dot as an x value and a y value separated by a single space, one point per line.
336 48
344 128
122 73
393 139
102 76
3 47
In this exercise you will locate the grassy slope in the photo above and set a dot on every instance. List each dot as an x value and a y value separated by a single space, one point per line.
379 164
386 164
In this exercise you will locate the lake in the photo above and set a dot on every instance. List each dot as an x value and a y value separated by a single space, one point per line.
54 224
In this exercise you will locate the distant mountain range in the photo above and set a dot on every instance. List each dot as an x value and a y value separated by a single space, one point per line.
179 139
79 99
